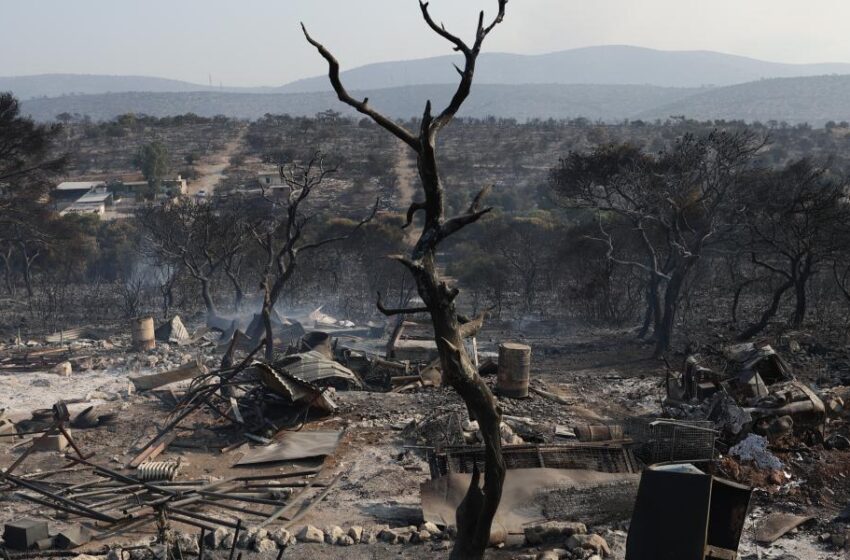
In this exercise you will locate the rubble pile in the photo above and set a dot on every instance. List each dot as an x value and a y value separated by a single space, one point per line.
207 447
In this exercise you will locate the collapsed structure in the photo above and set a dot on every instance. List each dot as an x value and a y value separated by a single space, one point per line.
277 419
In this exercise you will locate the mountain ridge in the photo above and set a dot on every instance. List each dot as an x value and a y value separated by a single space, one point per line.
598 65
812 100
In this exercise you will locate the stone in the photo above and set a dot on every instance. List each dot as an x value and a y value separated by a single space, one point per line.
310 534
589 542
188 543
213 539
420 536
227 541
63 369
333 534
368 537
22 534
388 536
345 540
356 533
548 555
430 527
553 532
280 536
838 540
53 442
264 545
245 540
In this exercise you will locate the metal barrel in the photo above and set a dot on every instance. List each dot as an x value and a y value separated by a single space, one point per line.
143 334
599 432
514 370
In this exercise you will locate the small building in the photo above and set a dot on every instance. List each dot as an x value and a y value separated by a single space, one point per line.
270 178
173 187
67 191
95 201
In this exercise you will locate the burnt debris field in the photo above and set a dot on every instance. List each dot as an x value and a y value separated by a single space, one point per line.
364 337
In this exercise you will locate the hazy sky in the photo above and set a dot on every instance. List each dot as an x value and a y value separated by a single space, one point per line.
258 42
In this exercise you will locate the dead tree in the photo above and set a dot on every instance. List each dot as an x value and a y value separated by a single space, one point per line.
680 204
193 236
475 514
280 230
797 220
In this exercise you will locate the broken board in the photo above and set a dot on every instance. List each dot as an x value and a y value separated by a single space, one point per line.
295 445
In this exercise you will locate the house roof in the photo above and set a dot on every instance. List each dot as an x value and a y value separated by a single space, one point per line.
94 198
77 185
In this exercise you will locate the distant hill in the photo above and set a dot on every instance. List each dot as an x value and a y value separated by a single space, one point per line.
605 65
608 102
811 99
814 100
55 85
609 65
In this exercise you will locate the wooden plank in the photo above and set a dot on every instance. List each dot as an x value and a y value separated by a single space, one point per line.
153 451
186 371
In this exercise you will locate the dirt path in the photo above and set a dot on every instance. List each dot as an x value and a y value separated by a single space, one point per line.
211 169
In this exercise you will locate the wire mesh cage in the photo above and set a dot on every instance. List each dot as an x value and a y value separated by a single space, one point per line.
663 440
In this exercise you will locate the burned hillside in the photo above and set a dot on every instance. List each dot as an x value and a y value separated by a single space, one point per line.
432 337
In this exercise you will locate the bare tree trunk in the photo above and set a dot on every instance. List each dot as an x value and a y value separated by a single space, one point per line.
664 331
238 292
768 313
800 284
206 294
266 314
476 512
652 315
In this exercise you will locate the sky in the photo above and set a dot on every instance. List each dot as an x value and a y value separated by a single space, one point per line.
258 42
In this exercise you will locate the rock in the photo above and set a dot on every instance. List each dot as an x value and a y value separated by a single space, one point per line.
589 542
333 534
405 537
838 540
245 540
310 534
368 537
345 540
430 527
188 543
388 536
264 545
420 536
213 539
356 533
280 536
548 555
553 531
63 368
227 541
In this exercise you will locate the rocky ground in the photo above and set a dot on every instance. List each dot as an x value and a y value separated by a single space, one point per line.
599 377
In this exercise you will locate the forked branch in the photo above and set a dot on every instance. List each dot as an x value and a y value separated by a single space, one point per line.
360 106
